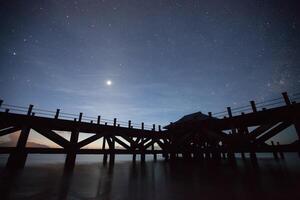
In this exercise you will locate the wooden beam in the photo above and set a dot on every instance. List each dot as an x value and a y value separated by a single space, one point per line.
260 130
9 131
54 137
88 140
273 132
121 142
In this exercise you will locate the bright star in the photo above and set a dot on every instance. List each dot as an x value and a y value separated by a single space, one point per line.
108 82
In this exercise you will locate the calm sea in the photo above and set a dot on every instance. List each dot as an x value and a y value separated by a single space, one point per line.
44 178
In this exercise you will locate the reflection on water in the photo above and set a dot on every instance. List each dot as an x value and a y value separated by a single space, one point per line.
270 179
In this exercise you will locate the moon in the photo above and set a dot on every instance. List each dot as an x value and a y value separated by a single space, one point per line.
108 82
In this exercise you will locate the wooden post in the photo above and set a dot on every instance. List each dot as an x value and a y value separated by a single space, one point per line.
112 152
98 119
154 154
159 128
142 139
103 148
230 115
229 112
17 158
57 114
297 127
286 98
1 102
274 151
129 124
209 114
115 121
80 117
153 127
254 109
280 152
72 150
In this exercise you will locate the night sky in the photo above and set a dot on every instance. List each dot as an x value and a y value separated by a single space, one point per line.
164 59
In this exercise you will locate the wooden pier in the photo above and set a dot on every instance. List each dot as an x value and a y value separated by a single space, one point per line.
224 137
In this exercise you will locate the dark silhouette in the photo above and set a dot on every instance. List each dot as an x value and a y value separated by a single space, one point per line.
196 136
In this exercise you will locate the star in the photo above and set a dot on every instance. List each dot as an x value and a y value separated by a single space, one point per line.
108 82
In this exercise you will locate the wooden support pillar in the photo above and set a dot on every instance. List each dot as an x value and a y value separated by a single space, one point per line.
253 157
154 154
243 155
133 149
112 152
142 139
280 152
297 127
274 151
72 151
103 148
17 158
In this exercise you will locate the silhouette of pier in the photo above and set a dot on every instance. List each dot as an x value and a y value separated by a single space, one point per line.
197 136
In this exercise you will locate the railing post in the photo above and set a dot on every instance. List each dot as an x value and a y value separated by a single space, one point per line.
253 106
1 102
115 121
98 119
80 117
229 112
129 124
153 127
57 113
286 98
209 114
159 128
29 110
142 125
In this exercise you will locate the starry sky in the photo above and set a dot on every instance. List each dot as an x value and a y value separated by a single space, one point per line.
164 59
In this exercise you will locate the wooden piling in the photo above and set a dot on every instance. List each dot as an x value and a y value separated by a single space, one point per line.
71 155
17 158
274 151
280 152
112 152
103 148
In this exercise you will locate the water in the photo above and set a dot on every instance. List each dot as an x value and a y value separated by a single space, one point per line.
90 179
